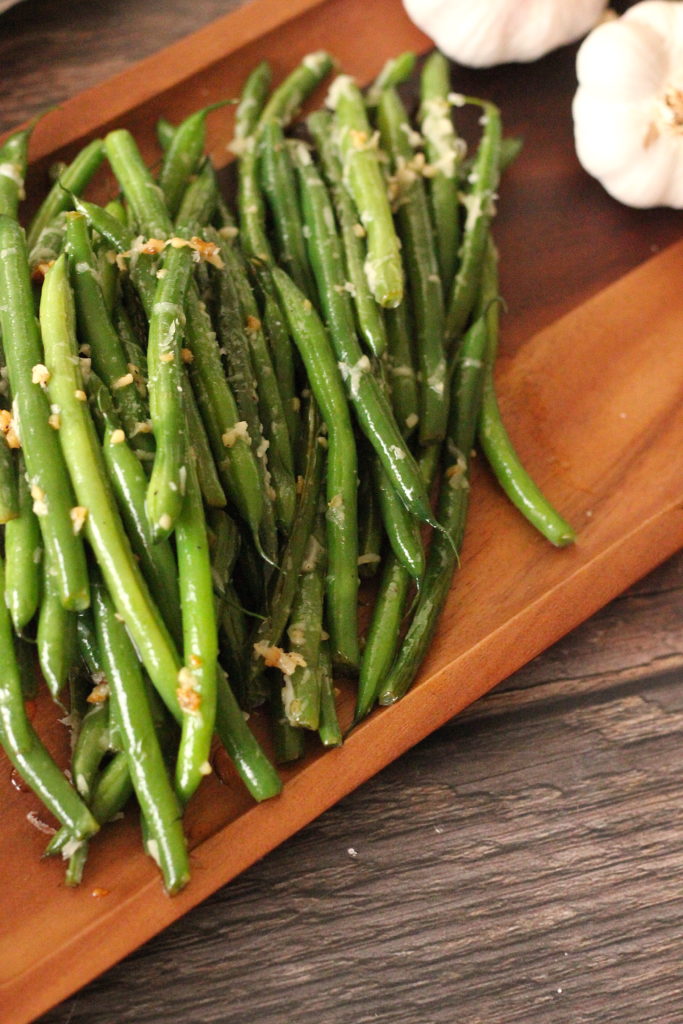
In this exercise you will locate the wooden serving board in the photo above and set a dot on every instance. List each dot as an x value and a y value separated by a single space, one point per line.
593 400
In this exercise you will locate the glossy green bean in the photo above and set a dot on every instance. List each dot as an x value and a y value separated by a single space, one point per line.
479 201
400 366
13 164
394 72
48 481
497 445
93 743
444 152
145 199
183 155
443 557
153 788
199 448
252 99
72 181
246 753
25 750
363 176
269 631
368 312
363 389
24 551
235 462
96 330
329 729
9 492
422 267
103 526
326 384
55 636
301 690
164 368
197 689
279 187
278 457
129 484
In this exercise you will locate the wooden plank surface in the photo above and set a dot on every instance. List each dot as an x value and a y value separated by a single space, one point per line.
476 918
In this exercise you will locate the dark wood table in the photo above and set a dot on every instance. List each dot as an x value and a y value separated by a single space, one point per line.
524 862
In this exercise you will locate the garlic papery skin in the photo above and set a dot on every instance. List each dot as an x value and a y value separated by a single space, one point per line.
628 108
482 33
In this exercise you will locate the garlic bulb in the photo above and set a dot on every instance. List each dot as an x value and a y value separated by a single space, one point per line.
628 109
481 33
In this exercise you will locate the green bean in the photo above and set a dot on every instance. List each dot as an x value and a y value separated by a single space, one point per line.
497 445
164 366
271 411
289 742
56 635
393 73
135 356
235 462
199 200
281 349
48 481
301 692
268 633
479 204
422 267
252 100
329 729
129 484
279 186
289 96
71 181
246 753
25 653
241 379
197 689
112 790
444 549
401 367
363 177
48 244
102 220
25 750
165 131
103 527
233 634
444 152
199 448
282 105
314 346
13 164
363 389
183 155
368 312
9 491
402 529
96 330
224 538
370 528
93 743
384 631
144 196
130 706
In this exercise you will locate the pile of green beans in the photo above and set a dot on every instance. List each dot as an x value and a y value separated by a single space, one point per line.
224 411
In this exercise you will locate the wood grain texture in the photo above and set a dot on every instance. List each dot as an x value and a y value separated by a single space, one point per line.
519 833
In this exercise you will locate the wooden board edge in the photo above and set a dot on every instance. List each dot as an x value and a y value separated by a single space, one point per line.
81 115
